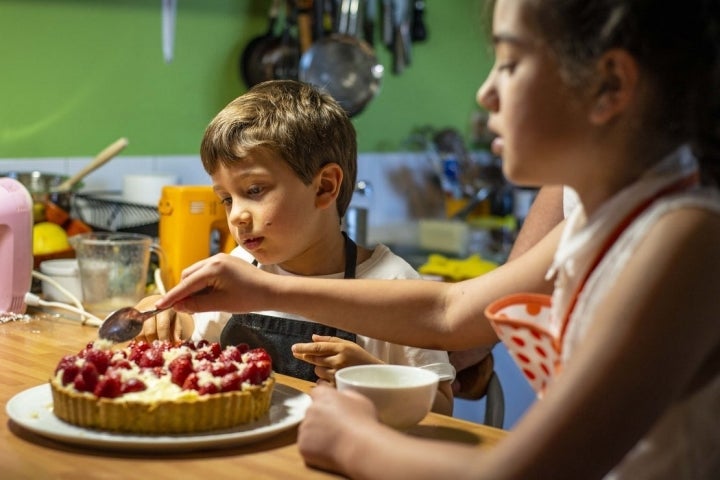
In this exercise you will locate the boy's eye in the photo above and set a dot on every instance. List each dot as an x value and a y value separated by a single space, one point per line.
254 190
226 201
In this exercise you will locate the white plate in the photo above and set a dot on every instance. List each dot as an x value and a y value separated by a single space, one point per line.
32 409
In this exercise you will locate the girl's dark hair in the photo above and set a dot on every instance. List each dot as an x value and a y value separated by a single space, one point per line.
676 44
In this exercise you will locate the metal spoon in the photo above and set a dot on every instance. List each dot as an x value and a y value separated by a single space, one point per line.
125 324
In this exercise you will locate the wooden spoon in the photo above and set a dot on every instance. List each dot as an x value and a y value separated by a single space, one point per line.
101 158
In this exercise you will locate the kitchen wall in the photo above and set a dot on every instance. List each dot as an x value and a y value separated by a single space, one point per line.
77 74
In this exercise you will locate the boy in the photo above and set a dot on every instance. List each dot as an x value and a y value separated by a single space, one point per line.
283 162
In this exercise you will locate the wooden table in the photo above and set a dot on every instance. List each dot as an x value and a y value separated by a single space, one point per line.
29 351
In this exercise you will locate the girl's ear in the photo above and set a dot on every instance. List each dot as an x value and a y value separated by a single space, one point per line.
328 182
617 73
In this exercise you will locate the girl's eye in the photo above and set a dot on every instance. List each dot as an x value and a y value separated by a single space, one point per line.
508 67
226 201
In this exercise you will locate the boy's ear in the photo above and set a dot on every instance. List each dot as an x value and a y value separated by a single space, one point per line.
328 182
617 73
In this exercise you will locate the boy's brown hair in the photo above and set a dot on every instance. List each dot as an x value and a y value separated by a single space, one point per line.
303 126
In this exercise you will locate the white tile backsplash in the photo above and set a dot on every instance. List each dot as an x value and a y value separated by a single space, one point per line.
386 204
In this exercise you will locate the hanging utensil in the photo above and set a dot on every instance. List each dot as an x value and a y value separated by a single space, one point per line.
304 23
169 12
369 20
279 61
418 30
253 52
342 64
401 32
388 31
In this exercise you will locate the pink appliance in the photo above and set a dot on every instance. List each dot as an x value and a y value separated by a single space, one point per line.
16 257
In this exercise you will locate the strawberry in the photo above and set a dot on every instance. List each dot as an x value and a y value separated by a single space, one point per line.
66 362
264 369
204 355
215 349
152 357
137 349
109 386
121 364
208 389
180 368
231 382
232 354
69 373
100 358
256 354
219 369
87 378
191 382
133 385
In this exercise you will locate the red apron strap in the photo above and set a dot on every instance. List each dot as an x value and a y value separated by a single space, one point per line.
682 184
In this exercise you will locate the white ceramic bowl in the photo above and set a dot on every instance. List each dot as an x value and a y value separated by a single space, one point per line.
402 395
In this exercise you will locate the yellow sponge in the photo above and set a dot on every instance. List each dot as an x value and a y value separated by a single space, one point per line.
456 269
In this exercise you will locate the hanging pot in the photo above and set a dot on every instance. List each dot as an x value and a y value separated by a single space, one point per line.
256 48
343 65
272 57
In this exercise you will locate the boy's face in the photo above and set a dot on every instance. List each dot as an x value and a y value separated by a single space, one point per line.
271 213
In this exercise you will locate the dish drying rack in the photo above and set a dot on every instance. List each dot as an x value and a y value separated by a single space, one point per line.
107 211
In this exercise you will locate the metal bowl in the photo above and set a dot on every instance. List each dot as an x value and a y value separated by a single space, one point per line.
42 187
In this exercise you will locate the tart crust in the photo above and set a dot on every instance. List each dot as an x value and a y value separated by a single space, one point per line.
187 415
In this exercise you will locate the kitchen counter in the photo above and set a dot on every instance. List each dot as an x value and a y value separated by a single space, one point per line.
29 351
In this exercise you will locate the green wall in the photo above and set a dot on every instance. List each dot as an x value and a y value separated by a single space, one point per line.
77 74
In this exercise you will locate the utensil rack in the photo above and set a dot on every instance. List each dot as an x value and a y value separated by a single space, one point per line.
107 211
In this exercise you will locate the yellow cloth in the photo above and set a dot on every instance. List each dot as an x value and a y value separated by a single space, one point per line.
456 269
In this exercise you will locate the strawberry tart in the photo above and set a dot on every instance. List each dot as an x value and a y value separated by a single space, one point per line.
160 388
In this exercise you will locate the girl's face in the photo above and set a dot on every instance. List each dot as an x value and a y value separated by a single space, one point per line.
271 213
540 122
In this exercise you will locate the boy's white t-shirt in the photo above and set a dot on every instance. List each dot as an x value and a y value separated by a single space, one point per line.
382 264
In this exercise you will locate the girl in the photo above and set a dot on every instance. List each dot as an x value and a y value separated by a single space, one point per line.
619 101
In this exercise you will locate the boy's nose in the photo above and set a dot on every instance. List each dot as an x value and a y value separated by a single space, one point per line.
239 216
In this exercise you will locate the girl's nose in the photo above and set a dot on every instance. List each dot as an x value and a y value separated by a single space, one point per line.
487 94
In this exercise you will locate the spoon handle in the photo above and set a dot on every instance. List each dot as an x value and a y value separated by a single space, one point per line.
152 313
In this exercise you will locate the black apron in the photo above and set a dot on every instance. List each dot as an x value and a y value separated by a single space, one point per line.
278 334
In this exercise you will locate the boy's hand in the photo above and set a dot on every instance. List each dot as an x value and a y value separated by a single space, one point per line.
164 326
330 354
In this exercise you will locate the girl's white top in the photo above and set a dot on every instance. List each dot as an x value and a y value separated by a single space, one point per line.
684 443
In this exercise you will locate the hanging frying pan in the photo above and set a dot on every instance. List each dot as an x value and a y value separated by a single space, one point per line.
343 65
280 61
253 52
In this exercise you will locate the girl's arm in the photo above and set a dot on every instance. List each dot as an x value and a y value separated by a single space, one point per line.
420 313
655 340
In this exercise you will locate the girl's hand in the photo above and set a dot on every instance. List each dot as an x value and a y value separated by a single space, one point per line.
326 432
219 283
330 354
